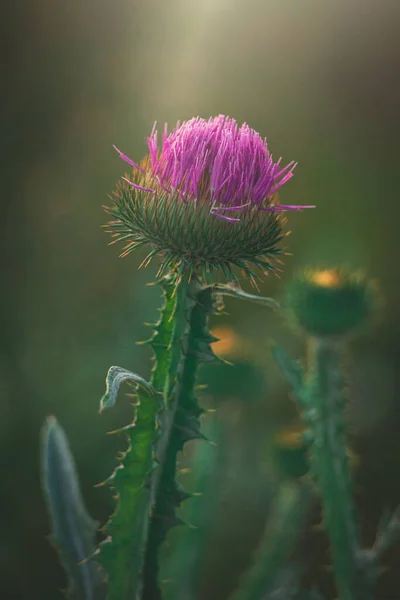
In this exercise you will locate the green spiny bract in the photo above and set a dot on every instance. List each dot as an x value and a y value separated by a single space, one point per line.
331 302
188 237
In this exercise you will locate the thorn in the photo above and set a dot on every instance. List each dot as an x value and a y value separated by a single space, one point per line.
115 431
185 470
163 581
101 484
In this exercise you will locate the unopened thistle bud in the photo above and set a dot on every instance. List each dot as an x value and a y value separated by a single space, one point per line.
331 302
205 201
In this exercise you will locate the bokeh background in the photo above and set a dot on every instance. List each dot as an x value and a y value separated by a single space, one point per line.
321 81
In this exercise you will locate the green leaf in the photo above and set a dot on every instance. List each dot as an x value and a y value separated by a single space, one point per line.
116 376
73 530
121 553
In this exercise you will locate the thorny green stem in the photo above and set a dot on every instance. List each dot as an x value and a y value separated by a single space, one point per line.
330 466
179 420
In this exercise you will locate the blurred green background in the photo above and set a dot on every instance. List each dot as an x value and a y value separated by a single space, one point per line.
321 81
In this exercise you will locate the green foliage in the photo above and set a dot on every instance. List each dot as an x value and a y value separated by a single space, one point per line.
74 531
145 482
167 416
122 553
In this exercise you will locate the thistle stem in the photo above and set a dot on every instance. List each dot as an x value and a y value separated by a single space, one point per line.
179 420
330 466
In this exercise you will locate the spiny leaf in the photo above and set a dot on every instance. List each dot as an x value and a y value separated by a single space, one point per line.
236 292
73 530
116 376
122 552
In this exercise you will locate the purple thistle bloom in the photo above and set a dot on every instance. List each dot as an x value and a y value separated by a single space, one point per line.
204 169
236 163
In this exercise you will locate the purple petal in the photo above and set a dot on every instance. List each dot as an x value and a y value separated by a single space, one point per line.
162 185
128 160
293 206
237 208
225 218
273 209
182 197
139 187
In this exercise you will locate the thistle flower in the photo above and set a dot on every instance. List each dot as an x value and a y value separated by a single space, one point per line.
205 201
331 302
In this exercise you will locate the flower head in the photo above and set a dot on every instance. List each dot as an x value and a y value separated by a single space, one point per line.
205 200
331 302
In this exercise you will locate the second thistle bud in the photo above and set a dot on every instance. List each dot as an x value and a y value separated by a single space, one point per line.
331 302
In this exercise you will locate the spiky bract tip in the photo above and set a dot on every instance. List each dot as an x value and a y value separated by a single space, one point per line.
331 302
